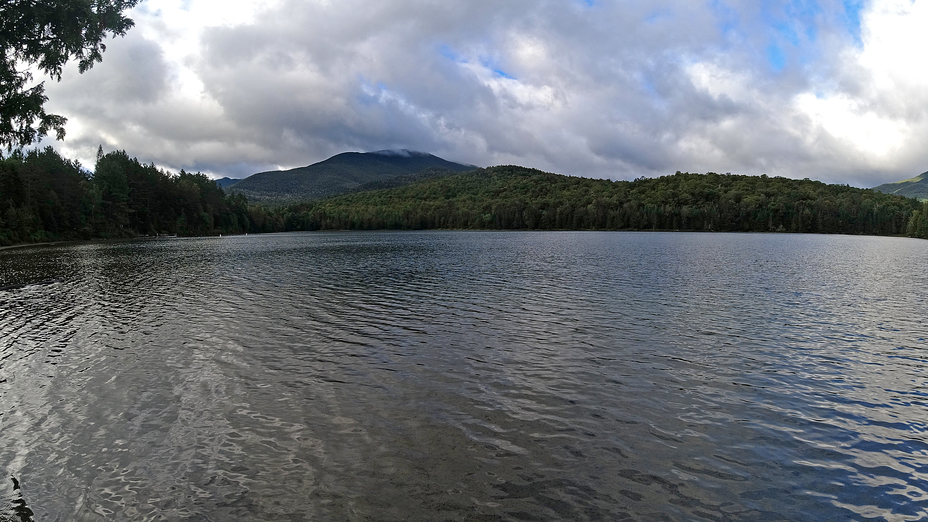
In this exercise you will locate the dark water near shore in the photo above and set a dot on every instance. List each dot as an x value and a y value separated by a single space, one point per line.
466 376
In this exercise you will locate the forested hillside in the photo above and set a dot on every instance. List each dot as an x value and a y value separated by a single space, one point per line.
46 197
519 198
916 187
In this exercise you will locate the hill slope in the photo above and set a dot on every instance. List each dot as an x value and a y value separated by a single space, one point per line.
520 198
339 174
916 187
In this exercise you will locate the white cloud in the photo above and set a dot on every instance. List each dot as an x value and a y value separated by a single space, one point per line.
178 26
877 110
618 89
721 83
894 38
872 135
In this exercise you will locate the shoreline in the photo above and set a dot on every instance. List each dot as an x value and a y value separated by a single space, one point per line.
159 237
102 240
24 245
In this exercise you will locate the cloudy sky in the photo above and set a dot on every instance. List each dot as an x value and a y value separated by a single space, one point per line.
835 90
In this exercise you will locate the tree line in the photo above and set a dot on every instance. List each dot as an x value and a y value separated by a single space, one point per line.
510 197
45 197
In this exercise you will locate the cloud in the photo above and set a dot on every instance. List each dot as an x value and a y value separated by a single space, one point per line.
827 89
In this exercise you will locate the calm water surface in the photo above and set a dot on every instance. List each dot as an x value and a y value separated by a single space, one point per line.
466 376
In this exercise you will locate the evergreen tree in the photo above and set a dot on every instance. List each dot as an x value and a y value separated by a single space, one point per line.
112 185
46 35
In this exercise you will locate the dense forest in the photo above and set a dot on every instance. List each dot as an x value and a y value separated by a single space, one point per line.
44 197
519 198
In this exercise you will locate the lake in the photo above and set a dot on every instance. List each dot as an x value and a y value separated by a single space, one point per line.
466 376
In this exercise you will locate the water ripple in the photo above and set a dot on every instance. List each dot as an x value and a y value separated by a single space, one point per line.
449 376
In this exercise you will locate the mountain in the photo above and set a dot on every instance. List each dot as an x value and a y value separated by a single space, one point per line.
402 181
916 187
227 181
340 173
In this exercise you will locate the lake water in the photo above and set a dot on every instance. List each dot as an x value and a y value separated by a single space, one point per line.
466 376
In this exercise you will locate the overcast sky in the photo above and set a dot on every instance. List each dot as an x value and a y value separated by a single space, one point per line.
835 90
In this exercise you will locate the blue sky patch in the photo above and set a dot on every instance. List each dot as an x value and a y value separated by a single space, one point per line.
485 61
502 74
449 53
776 57
852 9
493 65
726 16
796 22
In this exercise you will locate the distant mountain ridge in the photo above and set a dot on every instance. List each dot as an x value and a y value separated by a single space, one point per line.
339 174
226 181
916 187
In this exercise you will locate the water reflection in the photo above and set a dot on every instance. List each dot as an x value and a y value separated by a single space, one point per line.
429 376
16 509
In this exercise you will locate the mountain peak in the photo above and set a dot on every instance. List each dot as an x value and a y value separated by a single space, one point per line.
402 153
341 173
